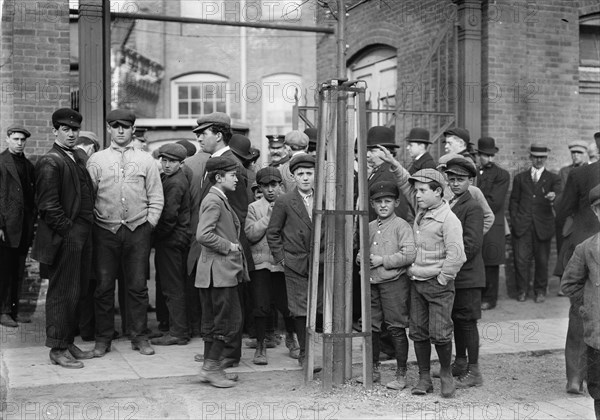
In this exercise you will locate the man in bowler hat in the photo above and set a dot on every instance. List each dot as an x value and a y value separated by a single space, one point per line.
17 217
65 200
493 181
417 144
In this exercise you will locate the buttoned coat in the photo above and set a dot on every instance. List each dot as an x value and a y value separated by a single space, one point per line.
581 281
493 182
12 202
257 222
218 228
58 198
528 206
424 162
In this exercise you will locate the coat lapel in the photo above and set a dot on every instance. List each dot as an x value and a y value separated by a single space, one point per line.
298 206
595 248
236 221
10 166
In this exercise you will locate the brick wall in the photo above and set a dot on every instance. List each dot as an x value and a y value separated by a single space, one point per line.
35 71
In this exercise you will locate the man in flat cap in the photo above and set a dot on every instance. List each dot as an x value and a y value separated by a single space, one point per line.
417 144
279 153
88 142
458 140
17 217
575 202
129 202
493 181
297 142
532 217
65 201
580 282
221 268
171 242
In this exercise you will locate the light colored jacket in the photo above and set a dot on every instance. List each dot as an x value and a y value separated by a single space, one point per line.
257 221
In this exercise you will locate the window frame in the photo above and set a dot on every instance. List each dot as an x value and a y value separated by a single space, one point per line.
200 80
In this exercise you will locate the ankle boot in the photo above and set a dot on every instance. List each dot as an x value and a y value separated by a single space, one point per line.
424 385
260 355
400 382
447 382
459 368
212 373
471 378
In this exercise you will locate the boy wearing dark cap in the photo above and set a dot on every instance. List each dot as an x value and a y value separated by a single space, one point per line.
171 242
581 282
268 280
470 280
221 267
392 251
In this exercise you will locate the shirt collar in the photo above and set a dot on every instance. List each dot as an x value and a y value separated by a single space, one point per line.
220 151
118 148
218 191
438 213
305 196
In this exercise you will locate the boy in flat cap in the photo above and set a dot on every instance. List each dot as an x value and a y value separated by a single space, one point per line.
17 218
297 142
129 202
268 280
220 268
65 200
470 280
581 282
392 251
289 238
418 142
532 219
171 242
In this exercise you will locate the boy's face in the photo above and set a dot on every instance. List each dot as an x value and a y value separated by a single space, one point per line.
270 191
458 183
305 179
120 133
426 197
227 182
384 206
169 166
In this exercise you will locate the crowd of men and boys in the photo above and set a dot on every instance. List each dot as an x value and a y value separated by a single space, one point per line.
232 245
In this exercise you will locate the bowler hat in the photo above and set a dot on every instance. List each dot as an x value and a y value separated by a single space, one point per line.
268 174
302 160
538 150
122 116
276 140
418 135
296 139
595 195
240 145
255 154
428 175
221 163
461 166
380 136
578 146
312 135
207 120
17 128
487 146
68 117
172 151
383 189
189 147
459 132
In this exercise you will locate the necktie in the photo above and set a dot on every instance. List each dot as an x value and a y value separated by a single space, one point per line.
306 199
536 177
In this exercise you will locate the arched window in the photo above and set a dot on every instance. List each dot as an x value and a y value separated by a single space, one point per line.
200 93
378 67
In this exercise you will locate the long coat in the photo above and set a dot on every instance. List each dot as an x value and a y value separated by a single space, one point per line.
13 220
493 182
218 228
424 162
528 207
58 196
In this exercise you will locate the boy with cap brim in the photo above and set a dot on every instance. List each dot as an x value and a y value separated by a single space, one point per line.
581 282
470 280
171 242
392 251
221 267
267 277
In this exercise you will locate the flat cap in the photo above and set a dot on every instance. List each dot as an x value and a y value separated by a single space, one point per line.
121 116
595 195
172 151
253 186
207 120
17 128
297 139
221 163
189 147
383 189
312 135
302 160
459 132
276 140
461 166
380 136
418 135
443 160
578 146
67 116
268 174
240 145
428 175
538 150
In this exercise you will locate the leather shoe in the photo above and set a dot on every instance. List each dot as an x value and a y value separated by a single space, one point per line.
143 347
100 349
540 298
574 389
228 362
80 354
63 358
522 297
7 321
169 340
199 357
